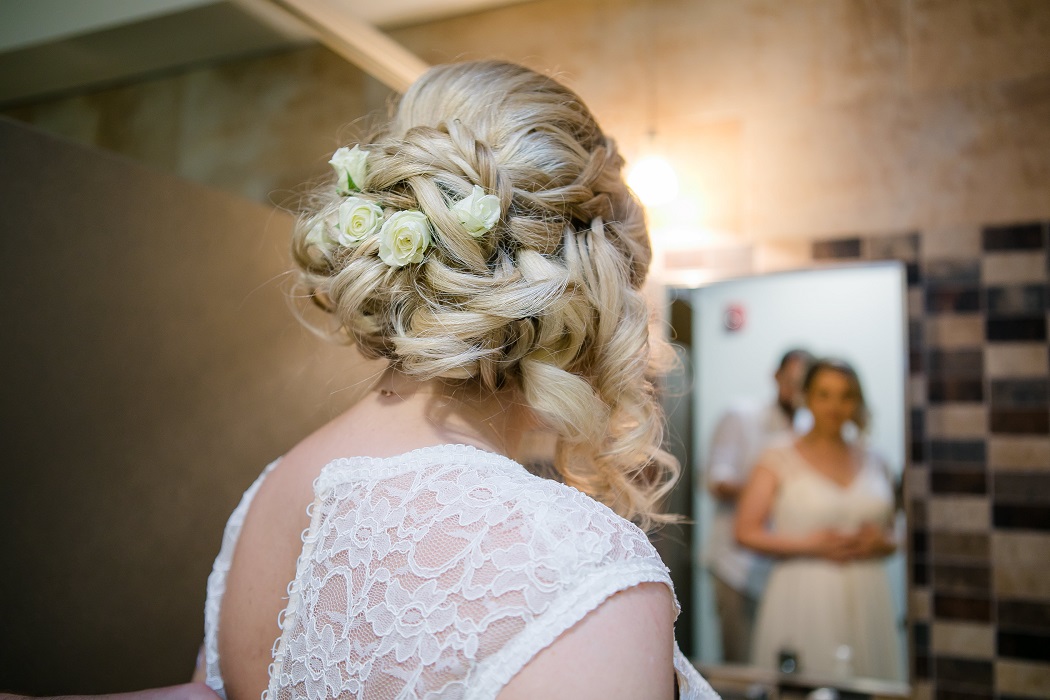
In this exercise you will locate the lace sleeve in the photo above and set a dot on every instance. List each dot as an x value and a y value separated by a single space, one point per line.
444 580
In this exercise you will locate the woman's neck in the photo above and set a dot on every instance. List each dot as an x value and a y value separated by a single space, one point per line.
450 412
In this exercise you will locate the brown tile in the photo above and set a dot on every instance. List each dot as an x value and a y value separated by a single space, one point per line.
952 298
956 363
966 672
1015 300
952 273
1021 517
960 546
837 249
958 481
1029 392
963 639
1007 360
1019 421
954 390
1021 565
958 331
959 514
892 247
1028 645
956 607
962 579
1022 236
1015 328
1022 488
1013 268
1022 678
958 452
1022 615
950 420
923 664
1020 452
946 690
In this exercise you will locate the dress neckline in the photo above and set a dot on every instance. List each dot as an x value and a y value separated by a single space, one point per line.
809 467
342 469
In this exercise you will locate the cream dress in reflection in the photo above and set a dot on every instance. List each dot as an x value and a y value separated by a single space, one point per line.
815 606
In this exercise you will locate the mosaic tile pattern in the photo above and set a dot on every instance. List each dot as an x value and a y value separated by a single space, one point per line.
978 487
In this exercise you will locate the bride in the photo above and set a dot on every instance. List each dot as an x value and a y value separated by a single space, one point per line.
829 505
484 244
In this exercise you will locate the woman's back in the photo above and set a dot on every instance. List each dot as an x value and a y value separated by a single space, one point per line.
440 572
484 244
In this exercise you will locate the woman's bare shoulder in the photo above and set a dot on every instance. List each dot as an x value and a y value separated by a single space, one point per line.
622 649
264 561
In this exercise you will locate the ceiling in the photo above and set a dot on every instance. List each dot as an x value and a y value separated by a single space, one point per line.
52 48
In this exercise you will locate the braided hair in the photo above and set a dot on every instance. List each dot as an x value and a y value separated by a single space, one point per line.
547 303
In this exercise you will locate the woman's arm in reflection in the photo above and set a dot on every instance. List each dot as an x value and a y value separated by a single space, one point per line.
753 509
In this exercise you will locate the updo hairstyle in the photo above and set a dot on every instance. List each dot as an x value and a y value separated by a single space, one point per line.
547 303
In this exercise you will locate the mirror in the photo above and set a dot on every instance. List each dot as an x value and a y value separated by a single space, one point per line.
799 615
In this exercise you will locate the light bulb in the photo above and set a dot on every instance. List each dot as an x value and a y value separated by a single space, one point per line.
653 180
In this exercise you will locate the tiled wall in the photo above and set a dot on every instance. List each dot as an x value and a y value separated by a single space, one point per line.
978 486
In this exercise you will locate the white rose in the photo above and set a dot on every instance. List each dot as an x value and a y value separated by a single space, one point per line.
349 165
478 212
403 238
359 219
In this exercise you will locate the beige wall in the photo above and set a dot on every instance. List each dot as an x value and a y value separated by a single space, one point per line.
792 119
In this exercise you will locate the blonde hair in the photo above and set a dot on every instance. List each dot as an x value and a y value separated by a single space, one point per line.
547 303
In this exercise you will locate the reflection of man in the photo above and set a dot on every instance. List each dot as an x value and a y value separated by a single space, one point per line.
740 436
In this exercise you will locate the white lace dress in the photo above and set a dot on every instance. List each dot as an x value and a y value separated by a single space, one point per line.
438 574
814 606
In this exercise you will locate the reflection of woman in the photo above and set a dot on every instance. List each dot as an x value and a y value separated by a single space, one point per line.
824 508
485 245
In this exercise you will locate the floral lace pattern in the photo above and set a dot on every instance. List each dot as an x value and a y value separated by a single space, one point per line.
440 573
